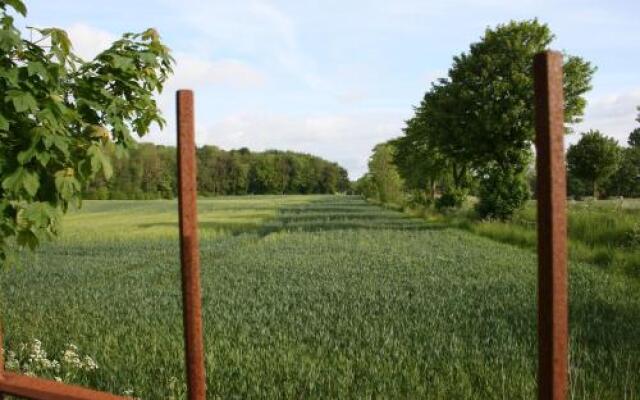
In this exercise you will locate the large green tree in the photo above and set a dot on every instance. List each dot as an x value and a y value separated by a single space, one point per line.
420 164
626 180
59 115
384 174
492 87
440 126
594 159
478 122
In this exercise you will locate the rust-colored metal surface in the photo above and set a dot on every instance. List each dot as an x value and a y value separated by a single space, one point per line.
42 389
553 323
190 255
1 361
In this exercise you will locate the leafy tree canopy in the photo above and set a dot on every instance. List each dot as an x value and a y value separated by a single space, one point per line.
418 161
59 114
634 138
493 85
384 174
481 117
594 158
626 180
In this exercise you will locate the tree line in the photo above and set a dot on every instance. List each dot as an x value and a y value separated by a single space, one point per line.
149 171
598 166
473 131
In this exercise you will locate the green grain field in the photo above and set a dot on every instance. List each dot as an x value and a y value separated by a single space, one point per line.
311 297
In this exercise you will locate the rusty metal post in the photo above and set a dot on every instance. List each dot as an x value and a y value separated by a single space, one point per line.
1 358
553 323
189 251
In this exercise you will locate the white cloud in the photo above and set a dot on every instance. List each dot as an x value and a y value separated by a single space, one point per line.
352 96
201 75
193 72
190 71
614 115
88 41
246 26
257 29
277 20
346 138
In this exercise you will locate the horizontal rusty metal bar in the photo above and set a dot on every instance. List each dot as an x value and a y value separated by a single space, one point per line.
43 389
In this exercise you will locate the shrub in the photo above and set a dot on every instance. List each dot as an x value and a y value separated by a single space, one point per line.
452 198
502 192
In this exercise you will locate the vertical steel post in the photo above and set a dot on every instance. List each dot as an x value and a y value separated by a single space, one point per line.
189 252
553 324
1 359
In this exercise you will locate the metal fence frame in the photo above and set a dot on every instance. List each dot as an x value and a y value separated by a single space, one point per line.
552 294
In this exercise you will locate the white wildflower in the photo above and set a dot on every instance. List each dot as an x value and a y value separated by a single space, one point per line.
89 364
38 357
12 363
71 358
32 360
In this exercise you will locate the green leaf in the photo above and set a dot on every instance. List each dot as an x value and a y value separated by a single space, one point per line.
123 63
8 39
4 124
60 143
26 238
22 101
22 179
10 74
43 157
31 183
37 68
60 43
60 38
148 58
66 184
99 161
39 214
17 5
151 34
26 155
47 117
97 132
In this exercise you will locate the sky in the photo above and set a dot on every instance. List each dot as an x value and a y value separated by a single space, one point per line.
333 78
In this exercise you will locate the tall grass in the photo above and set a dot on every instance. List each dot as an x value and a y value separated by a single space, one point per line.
605 233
